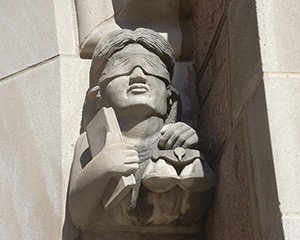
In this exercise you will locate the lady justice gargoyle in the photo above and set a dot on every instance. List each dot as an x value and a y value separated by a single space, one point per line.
135 173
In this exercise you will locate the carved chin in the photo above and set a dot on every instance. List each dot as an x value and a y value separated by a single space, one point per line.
140 109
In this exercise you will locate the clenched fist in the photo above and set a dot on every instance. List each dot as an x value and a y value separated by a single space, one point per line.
117 158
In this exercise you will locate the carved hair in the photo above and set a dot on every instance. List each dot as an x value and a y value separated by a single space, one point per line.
114 42
117 40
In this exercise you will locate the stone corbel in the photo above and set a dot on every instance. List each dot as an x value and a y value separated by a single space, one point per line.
170 18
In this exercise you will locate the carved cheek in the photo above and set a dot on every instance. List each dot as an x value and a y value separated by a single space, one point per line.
115 90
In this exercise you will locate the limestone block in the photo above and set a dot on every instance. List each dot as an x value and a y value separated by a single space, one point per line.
291 226
282 96
244 52
278 23
25 36
262 160
34 31
39 125
74 80
31 179
97 18
66 29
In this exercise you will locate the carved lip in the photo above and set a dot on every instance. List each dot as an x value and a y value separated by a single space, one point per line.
138 88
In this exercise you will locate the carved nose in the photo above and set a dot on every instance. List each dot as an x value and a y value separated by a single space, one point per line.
137 76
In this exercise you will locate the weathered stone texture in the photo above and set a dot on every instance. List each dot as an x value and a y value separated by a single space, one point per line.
273 116
205 83
206 18
31 155
282 96
230 216
260 38
278 23
221 50
215 67
275 231
35 145
262 160
214 118
74 80
212 83
37 31
282 101
291 226
245 63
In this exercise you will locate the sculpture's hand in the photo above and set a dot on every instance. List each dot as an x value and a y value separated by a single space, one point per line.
118 159
178 135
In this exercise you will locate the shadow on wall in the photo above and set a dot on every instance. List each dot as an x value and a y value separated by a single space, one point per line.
69 231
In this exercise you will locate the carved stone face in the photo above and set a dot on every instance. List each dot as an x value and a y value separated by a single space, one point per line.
138 87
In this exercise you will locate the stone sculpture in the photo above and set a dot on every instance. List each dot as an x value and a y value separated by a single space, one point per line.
135 174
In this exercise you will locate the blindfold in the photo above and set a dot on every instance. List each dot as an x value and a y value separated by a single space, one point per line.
123 62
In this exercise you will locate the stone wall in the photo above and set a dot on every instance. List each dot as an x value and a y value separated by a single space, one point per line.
280 48
221 120
245 104
246 94
42 88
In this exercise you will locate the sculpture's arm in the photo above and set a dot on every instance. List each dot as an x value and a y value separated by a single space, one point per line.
88 183
178 135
